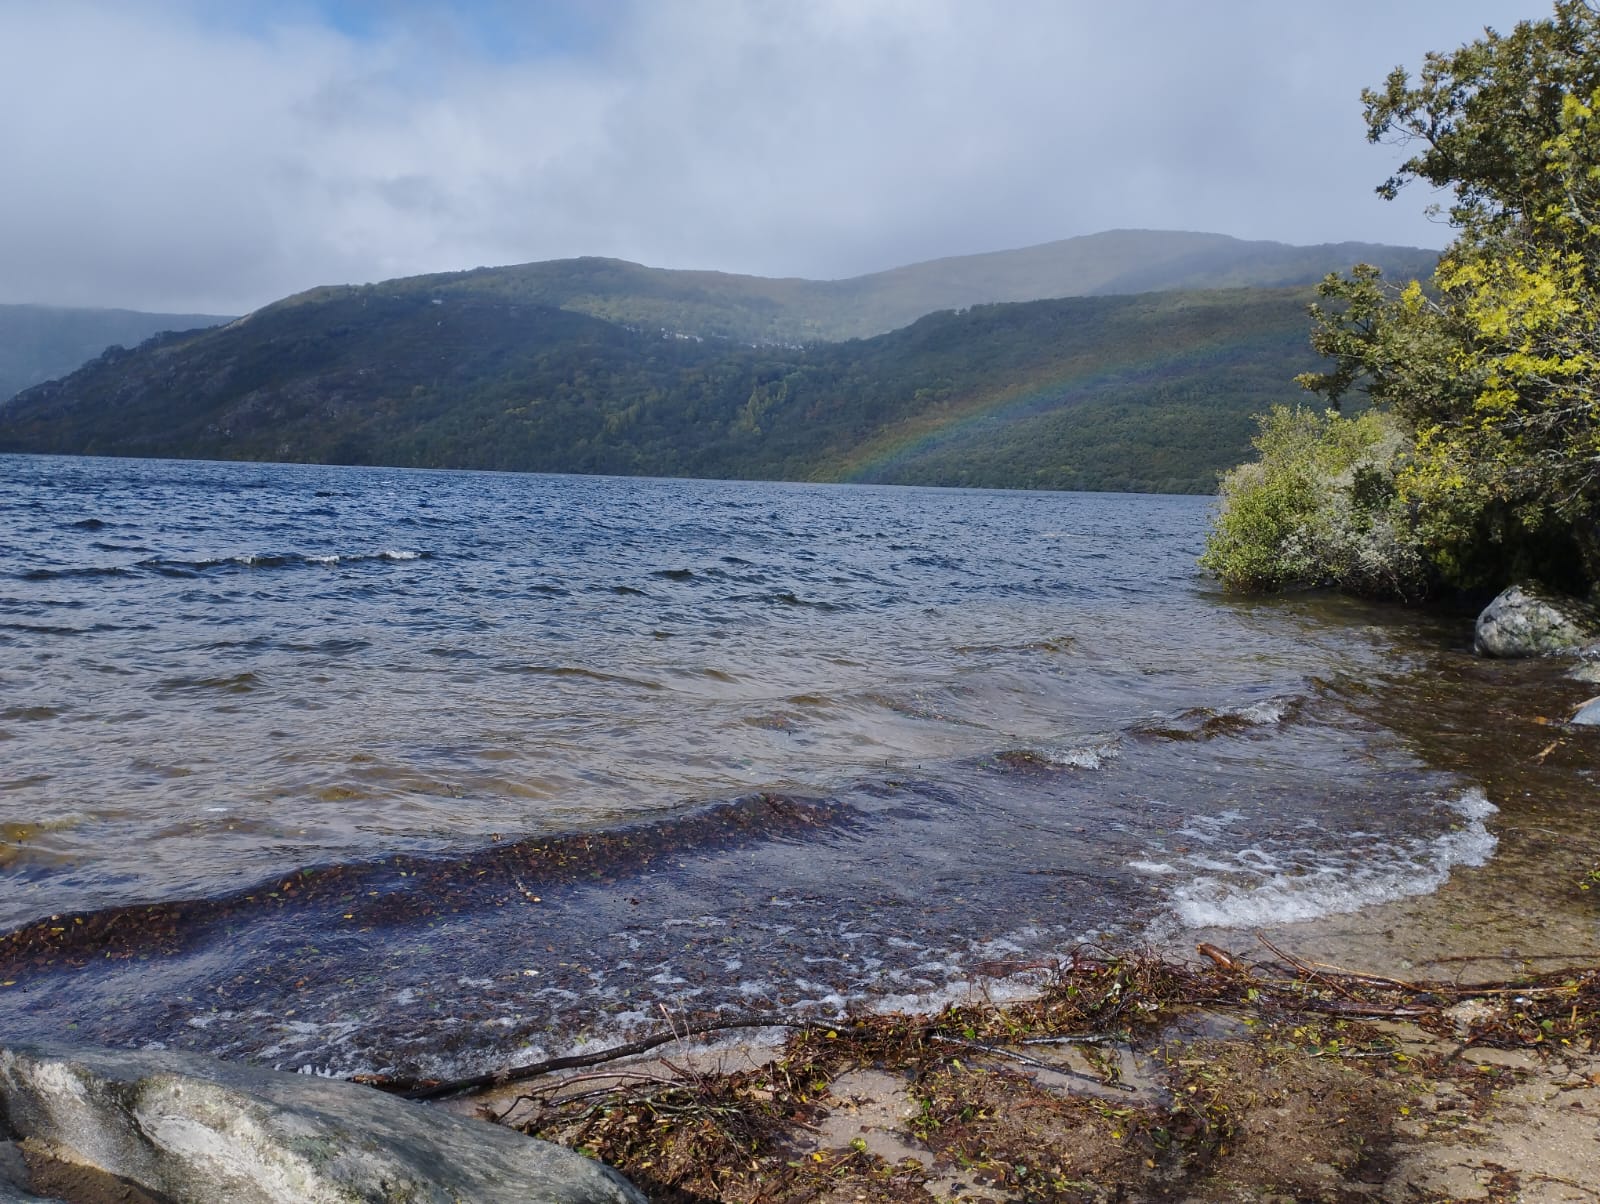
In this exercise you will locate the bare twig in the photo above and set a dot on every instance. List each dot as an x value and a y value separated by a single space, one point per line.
517 1074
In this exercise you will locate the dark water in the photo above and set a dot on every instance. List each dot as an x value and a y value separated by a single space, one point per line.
365 769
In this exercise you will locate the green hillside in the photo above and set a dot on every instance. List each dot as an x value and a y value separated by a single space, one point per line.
756 309
1145 392
41 342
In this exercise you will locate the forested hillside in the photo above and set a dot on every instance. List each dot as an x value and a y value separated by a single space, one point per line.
41 342
1144 392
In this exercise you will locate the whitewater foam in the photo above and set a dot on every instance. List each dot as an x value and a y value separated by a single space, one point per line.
1083 756
1264 887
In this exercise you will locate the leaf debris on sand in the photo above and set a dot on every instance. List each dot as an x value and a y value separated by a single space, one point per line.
1125 1078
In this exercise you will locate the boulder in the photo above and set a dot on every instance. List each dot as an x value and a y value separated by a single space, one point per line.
187 1128
1587 714
1527 620
1587 671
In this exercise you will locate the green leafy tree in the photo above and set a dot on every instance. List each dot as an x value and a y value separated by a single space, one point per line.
1495 371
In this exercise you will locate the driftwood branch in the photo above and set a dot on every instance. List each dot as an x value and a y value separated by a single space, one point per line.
517 1074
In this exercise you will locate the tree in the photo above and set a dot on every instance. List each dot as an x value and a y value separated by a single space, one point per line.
1494 371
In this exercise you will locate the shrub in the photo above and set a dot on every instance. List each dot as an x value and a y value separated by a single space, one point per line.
1319 507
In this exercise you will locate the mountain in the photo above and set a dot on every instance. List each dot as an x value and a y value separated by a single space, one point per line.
1141 373
41 342
758 309
1149 392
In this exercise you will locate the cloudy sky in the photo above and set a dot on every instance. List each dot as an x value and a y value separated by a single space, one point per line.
191 155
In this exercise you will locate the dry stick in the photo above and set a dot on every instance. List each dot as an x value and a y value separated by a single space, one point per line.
1036 1063
1335 1007
516 1074
1222 958
1374 980
618 1079
1306 968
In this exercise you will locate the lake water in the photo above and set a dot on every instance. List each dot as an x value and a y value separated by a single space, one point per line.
423 772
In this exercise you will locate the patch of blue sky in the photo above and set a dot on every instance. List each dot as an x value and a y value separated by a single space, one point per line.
501 31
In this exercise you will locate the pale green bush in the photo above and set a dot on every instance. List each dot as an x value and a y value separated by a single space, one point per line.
1319 508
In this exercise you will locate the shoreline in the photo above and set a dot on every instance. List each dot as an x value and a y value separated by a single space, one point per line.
1441 1119
1229 1081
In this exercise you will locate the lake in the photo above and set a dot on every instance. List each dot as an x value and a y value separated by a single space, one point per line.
357 769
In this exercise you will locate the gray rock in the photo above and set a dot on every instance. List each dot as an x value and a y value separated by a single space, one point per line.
194 1129
1527 620
1587 714
15 1195
1587 670
13 1175
13 1171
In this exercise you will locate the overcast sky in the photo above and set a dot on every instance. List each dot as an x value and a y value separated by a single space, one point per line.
186 155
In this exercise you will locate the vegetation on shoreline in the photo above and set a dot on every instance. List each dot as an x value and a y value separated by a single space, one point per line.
1281 1078
1489 378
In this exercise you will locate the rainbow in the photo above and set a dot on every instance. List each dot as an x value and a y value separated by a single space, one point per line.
1047 387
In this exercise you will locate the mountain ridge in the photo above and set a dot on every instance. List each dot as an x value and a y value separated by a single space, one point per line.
600 365
794 309
41 342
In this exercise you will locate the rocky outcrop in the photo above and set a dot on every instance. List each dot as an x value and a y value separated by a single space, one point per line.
1527 620
192 1130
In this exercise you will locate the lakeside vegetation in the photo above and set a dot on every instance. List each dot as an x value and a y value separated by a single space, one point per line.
1483 464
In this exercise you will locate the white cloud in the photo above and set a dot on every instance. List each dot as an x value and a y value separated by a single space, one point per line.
156 158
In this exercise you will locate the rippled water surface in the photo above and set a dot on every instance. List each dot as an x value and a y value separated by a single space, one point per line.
376 769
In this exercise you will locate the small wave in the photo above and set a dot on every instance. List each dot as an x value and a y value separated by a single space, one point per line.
238 683
256 561
50 628
97 570
790 598
577 671
1083 756
31 714
1054 645
1262 886
1088 756
332 646
1205 723
405 888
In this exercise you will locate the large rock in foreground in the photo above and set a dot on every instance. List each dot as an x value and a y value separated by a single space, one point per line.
1526 620
191 1129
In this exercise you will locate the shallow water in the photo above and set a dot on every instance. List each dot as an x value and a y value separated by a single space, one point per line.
367 769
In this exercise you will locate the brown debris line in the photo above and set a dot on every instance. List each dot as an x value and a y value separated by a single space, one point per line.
1309 1099
406 889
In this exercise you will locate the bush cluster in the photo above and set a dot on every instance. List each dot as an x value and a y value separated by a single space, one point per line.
1319 507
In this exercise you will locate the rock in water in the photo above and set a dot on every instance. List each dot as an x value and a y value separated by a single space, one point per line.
1588 714
194 1130
1527 620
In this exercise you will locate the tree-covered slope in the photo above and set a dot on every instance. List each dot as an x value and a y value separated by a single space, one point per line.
756 309
41 342
1148 392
